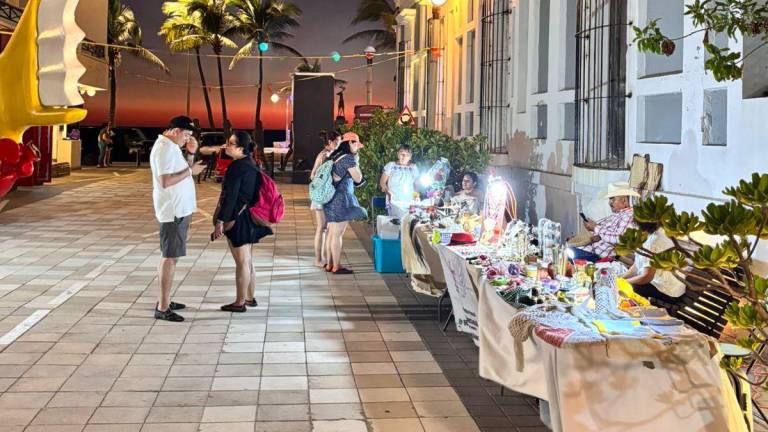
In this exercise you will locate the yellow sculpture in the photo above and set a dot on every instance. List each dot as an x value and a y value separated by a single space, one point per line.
39 73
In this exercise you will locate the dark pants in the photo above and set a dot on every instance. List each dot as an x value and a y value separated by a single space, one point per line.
585 255
651 292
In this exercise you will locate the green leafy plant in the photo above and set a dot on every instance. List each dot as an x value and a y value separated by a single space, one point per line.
383 134
741 224
730 17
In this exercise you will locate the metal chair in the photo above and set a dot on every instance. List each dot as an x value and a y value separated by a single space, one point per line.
377 203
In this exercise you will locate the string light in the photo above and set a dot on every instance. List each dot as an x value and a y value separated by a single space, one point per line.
275 98
263 47
229 56
335 56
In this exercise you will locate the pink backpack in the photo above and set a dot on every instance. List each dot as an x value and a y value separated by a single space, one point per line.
271 206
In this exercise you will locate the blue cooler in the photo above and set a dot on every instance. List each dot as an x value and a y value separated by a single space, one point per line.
386 255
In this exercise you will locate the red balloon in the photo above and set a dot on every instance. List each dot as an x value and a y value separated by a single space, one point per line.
26 169
28 154
9 151
6 183
7 169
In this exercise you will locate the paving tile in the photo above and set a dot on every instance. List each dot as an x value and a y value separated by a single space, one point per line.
283 412
339 426
229 414
175 415
64 416
333 396
114 415
396 425
292 426
389 410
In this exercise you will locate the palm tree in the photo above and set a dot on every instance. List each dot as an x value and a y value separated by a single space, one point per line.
264 21
217 26
123 33
376 11
184 32
315 67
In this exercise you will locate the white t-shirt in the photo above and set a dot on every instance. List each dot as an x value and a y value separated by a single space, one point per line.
664 281
178 200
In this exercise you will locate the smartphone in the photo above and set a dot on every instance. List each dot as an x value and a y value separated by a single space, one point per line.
583 217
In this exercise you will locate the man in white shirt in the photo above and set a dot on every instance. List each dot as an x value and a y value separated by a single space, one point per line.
173 194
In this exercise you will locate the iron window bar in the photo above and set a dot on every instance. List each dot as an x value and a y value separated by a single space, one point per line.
600 96
494 68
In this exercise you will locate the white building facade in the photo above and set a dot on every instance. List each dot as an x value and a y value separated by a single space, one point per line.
566 99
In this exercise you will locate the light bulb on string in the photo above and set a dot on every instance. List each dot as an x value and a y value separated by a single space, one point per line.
263 47
90 92
336 56
275 98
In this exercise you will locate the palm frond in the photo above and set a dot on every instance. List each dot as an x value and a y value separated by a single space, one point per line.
245 51
149 56
381 39
372 11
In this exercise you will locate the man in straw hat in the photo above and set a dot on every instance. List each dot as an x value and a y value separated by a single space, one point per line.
606 232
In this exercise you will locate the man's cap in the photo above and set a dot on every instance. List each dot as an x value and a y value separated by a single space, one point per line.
183 122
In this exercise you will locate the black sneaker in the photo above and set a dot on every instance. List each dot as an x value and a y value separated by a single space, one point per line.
233 308
173 305
168 315
251 303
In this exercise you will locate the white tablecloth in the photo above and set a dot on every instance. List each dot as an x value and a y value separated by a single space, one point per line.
597 388
462 291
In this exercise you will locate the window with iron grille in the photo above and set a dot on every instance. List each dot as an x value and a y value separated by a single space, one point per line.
494 73
601 32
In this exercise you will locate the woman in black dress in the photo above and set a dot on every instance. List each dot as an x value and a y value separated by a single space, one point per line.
239 192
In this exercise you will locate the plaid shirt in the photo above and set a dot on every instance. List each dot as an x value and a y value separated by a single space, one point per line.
609 230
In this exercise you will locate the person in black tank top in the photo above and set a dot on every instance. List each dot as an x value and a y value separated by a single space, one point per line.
232 218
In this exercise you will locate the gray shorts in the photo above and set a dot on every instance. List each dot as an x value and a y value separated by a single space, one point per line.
173 237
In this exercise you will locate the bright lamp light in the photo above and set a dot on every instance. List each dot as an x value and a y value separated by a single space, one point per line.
263 46
425 180
90 92
438 3
275 98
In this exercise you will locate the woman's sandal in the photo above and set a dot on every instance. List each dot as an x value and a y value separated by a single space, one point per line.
251 303
342 271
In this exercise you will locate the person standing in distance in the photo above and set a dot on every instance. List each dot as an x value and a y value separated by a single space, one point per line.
173 194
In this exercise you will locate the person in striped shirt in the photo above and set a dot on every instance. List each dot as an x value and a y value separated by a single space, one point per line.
606 232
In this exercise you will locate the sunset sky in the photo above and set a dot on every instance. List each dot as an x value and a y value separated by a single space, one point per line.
324 25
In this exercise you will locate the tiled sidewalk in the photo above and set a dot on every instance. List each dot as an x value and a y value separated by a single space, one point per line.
323 353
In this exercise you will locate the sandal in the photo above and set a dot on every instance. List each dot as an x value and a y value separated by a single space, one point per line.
233 307
251 303
342 271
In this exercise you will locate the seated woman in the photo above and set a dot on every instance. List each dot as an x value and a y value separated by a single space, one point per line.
397 181
470 199
661 287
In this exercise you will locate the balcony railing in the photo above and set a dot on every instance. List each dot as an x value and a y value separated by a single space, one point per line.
89 48
10 12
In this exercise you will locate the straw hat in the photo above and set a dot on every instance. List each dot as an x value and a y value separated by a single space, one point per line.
619 189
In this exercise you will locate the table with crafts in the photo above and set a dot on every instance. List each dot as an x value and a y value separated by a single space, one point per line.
600 367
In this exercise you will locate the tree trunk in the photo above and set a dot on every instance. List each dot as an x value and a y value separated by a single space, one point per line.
258 130
227 125
205 90
111 53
